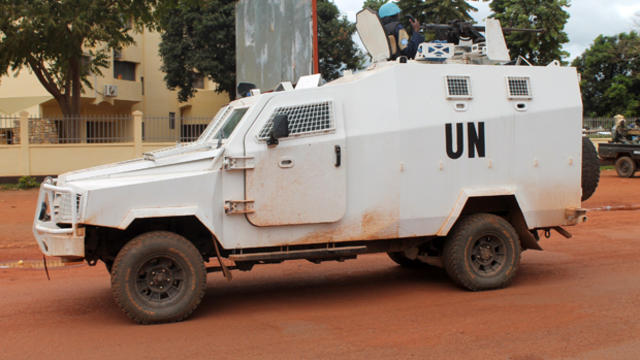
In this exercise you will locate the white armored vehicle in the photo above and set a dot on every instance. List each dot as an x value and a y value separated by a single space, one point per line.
447 160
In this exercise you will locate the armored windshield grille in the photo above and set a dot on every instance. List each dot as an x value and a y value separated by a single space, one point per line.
519 87
458 86
303 119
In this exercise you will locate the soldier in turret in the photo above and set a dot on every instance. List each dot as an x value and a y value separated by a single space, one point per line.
400 43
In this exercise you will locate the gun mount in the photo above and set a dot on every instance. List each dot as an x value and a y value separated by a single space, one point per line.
457 42
458 30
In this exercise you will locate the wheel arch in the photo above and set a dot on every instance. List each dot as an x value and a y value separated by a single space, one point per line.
504 205
104 243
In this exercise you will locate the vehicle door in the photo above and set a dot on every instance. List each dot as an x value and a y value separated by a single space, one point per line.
302 178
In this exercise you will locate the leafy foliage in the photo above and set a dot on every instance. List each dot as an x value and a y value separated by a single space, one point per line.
27 182
336 49
550 15
374 4
62 42
437 11
610 71
198 37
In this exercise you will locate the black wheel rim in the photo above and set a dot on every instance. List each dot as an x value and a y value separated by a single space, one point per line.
488 255
625 167
160 280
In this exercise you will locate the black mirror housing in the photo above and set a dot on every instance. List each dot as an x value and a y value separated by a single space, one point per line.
279 130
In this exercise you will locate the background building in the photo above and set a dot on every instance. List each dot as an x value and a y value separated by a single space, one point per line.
133 81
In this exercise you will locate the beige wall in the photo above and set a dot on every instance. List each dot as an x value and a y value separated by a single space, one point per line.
25 93
52 159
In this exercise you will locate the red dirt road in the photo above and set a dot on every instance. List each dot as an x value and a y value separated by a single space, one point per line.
579 299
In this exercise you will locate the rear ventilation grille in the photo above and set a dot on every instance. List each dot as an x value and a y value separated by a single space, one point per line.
303 119
519 87
458 87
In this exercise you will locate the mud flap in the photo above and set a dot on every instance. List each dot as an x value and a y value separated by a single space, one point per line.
527 240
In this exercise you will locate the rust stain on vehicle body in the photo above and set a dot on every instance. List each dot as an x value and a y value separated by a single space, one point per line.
373 225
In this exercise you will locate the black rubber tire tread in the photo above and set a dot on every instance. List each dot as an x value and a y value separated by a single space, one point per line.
401 259
139 248
457 246
590 168
625 167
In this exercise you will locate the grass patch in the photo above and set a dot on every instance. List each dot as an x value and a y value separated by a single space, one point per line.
25 182
8 186
607 167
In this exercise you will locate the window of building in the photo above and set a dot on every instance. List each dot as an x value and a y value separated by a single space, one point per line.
124 70
172 120
198 82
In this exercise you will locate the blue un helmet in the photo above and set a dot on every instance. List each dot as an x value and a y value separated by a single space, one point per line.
388 9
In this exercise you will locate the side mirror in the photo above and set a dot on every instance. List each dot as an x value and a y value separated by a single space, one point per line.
279 130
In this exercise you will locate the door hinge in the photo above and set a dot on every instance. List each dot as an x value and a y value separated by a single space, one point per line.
232 163
238 207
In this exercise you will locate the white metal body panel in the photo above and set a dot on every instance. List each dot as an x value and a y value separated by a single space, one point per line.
399 181
296 182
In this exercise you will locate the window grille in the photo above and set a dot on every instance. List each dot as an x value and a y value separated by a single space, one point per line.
519 87
124 70
458 86
303 119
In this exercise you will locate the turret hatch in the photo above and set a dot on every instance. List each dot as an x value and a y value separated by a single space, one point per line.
372 35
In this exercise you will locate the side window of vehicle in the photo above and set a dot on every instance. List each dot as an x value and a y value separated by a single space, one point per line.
519 87
304 119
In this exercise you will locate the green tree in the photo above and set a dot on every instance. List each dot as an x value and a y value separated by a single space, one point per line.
199 40
62 42
610 72
374 4
336 49
550 15
437 11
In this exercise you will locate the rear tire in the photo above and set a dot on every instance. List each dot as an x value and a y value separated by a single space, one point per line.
625 167
590 168
158 277
482 252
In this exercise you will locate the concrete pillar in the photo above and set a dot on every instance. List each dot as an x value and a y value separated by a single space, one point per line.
137 132
25 158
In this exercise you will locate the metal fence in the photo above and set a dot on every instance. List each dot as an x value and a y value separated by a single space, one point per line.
173 129
9 130
601 127
81 129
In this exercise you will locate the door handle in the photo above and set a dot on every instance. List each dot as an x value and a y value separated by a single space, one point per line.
286 163
338 151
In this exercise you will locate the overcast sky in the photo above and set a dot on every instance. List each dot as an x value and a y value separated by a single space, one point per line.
589 18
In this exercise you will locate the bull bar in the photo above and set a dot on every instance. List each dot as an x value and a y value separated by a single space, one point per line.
53 240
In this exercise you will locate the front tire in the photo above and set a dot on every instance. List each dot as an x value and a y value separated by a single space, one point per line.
625 167
482 252
158 277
